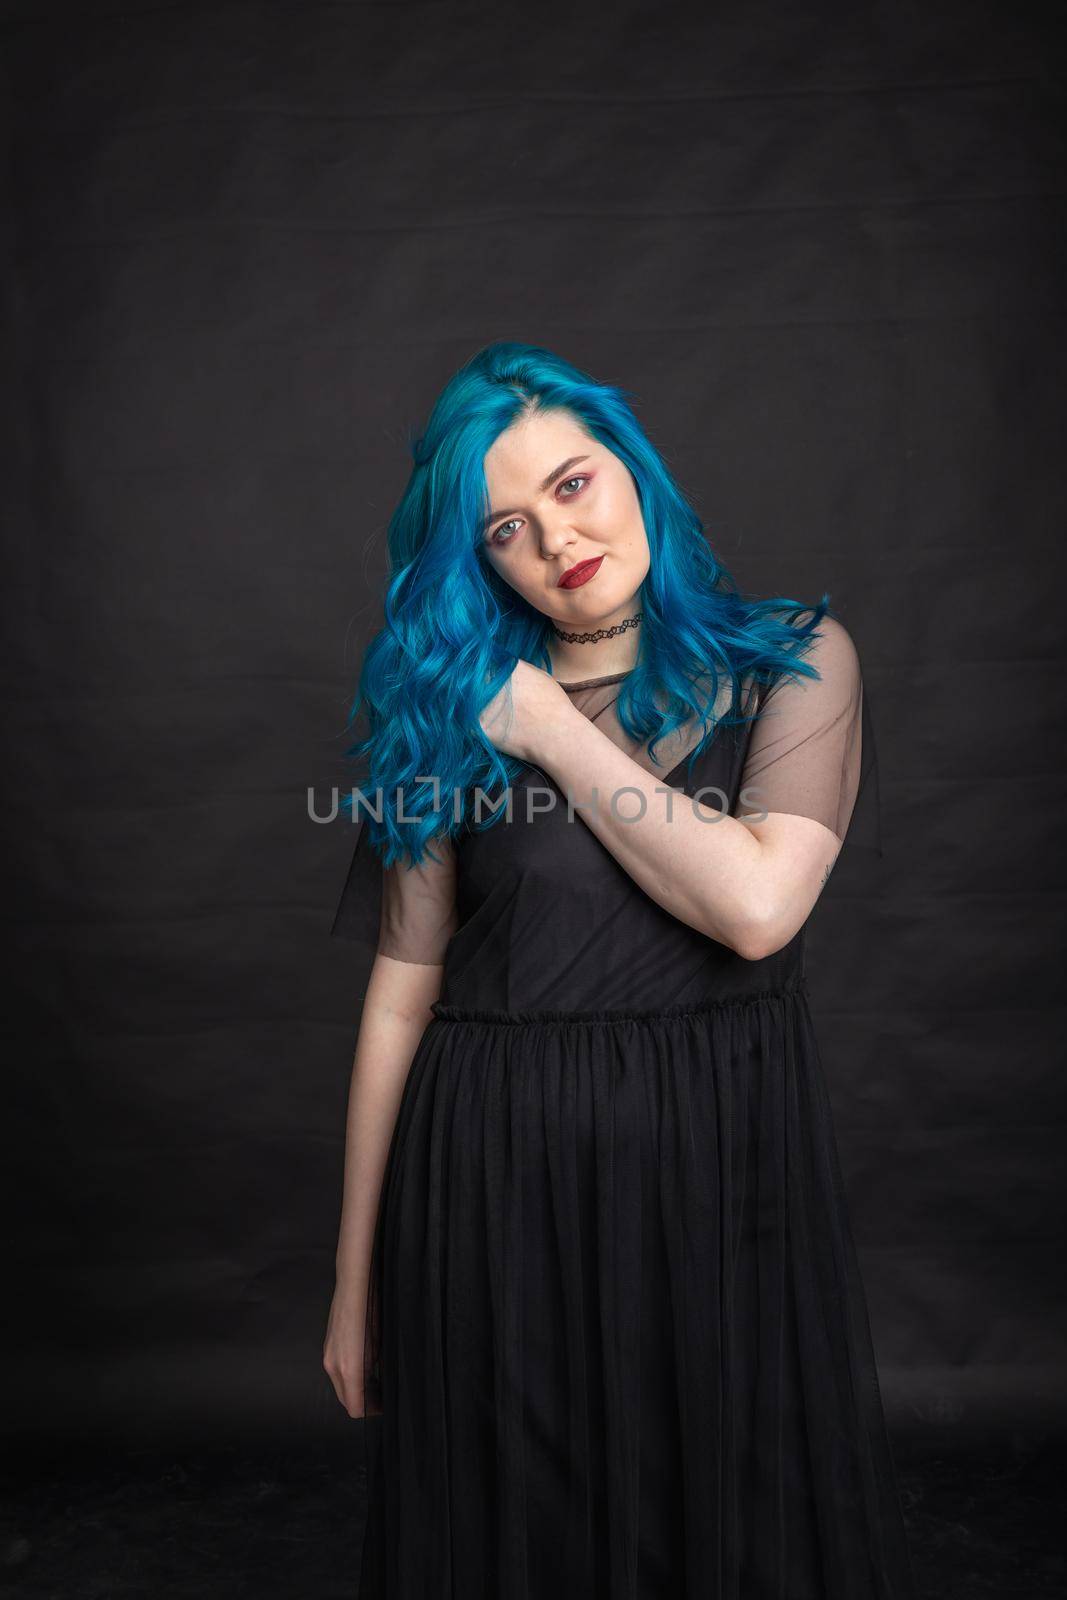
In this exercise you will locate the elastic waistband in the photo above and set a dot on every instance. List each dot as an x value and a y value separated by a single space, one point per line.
449 1013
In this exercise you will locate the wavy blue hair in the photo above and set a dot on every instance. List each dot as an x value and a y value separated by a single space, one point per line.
454 629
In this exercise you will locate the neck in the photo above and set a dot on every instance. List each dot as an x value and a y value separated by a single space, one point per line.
576 658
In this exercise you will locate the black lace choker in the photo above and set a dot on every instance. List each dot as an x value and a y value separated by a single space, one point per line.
601 633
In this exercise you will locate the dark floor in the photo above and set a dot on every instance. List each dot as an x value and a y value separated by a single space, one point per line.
270 1523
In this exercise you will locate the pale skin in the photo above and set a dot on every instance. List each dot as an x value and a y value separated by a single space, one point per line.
559 497
396 1009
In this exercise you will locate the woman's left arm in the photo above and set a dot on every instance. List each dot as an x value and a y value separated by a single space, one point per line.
750 884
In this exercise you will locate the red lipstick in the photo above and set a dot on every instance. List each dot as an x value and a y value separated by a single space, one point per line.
574 577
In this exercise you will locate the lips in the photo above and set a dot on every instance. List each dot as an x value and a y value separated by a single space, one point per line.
580 573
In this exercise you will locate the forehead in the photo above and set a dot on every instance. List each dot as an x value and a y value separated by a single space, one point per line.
522 455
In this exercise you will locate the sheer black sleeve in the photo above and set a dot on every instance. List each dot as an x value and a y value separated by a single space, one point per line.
403 911
811 751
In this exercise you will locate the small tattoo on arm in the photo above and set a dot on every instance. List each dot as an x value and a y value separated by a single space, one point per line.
826 874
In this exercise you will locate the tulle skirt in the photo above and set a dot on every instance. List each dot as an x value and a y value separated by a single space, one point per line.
618 1343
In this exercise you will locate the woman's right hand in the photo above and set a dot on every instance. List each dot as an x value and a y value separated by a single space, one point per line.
342 1353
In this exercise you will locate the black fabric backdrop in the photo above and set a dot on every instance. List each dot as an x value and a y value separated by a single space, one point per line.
244 246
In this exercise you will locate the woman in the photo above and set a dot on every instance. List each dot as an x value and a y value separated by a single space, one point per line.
595 1274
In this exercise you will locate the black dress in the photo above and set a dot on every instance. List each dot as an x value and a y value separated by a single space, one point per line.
616 1315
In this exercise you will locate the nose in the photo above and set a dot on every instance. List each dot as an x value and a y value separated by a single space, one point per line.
557 534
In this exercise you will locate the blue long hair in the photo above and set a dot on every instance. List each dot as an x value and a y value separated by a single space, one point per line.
454 629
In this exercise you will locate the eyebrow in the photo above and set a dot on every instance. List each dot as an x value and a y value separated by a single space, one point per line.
553 477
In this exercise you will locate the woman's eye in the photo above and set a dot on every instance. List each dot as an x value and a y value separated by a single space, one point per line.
496 539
